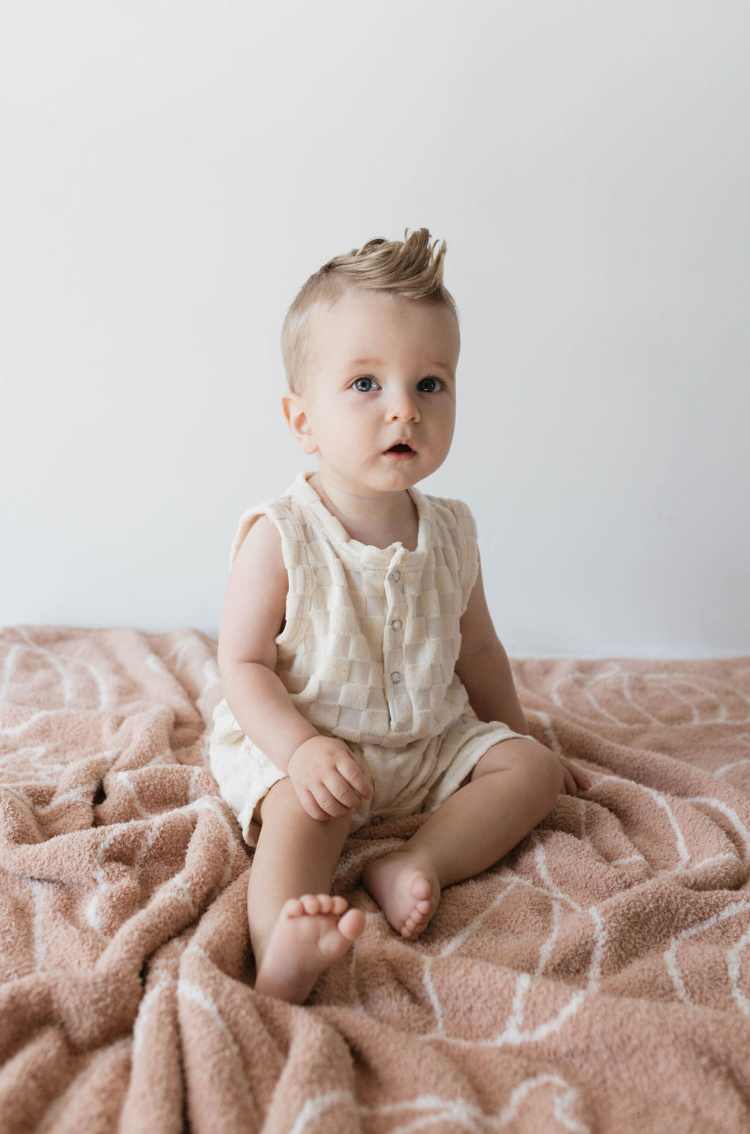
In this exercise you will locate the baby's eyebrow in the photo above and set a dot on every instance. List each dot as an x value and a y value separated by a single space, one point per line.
379 362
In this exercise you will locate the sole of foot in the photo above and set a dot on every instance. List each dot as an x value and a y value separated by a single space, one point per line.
309 935
407 891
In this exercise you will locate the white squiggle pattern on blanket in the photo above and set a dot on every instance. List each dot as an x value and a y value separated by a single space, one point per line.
540 1005
566 689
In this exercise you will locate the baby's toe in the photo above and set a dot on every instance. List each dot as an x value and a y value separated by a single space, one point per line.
352 924
310 903
421 888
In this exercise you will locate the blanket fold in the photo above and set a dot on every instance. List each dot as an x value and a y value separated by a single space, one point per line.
595 979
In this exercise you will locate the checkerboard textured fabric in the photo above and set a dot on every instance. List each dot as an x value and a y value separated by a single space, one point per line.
372 634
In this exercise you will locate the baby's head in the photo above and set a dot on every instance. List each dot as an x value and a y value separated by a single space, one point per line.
370 347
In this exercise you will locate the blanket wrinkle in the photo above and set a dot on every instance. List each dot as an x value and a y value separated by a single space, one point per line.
597 978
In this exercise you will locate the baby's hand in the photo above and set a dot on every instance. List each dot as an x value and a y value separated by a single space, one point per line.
327 779
574 777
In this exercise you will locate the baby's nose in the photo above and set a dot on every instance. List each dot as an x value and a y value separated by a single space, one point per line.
405 408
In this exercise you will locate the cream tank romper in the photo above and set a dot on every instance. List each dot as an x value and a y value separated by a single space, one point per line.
367 654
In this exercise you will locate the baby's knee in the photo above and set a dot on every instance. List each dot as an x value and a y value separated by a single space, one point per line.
280 796
546 769
282 806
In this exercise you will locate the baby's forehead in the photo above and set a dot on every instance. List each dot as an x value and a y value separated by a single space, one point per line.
357 331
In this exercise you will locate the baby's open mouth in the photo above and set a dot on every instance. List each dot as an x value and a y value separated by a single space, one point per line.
400 449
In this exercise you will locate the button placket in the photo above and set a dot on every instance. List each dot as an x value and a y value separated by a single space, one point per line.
396 651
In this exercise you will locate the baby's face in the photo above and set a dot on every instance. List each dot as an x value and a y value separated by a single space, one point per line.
382 369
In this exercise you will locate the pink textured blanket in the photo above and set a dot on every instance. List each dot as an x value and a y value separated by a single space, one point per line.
596 979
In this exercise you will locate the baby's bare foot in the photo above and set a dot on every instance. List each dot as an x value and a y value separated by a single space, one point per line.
307 938
406 889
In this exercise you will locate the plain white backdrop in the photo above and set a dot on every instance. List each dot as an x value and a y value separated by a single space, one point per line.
173 171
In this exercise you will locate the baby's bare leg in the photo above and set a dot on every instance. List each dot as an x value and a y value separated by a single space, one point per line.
295 929
512 787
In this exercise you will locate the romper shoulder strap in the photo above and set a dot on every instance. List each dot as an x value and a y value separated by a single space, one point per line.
280 512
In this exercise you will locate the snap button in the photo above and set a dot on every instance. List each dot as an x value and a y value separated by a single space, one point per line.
396 624
396 576
395 678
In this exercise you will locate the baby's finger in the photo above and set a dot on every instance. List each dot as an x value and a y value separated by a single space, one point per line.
310 804
352 772
577 773
570 784
330 805
341 789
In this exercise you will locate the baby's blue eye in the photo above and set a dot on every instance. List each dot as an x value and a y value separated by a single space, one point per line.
367 378
431 379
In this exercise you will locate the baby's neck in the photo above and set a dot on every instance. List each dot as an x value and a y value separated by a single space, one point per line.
376 521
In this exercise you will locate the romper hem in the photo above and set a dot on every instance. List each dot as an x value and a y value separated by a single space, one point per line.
405 782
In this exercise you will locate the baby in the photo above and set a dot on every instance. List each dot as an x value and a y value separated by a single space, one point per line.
363 676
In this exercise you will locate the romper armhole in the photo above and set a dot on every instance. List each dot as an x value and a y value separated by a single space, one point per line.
244 524
293 552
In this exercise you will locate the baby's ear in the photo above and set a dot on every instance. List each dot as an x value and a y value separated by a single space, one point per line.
295 413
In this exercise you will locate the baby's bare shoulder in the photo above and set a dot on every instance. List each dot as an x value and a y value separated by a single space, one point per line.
262 543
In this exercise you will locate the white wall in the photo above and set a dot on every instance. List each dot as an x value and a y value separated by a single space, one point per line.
173 171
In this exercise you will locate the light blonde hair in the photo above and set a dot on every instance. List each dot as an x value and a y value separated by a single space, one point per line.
404 268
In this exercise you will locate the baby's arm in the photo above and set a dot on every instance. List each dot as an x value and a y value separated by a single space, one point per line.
484 670
483 666
254 607
325 775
